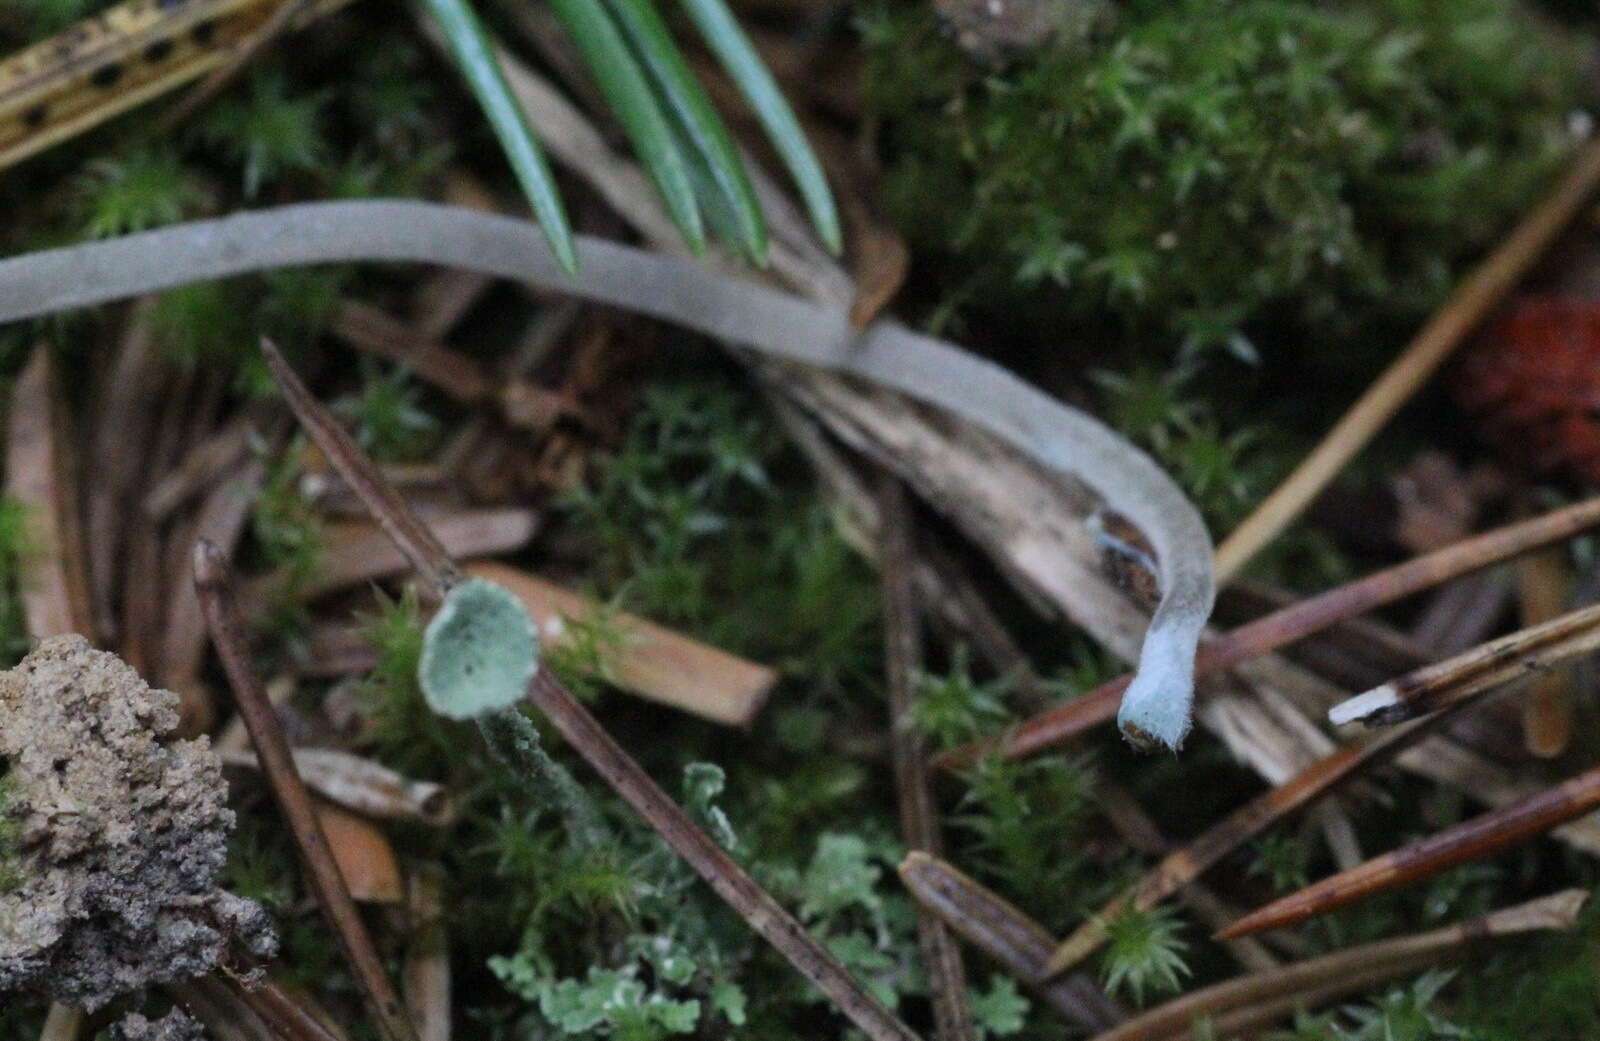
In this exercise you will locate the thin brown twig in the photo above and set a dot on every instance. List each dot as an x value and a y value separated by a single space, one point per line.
1189 862
1055 726
1482 836
1474 298
1526 653
1019 944
1259 998
213 583
410 536
919 817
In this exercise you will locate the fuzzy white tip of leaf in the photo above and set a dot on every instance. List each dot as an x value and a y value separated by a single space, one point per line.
1157 706
1361 706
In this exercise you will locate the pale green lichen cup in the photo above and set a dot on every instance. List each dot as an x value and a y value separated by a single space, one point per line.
479 652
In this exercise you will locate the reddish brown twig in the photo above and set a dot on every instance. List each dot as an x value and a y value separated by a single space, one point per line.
1189 862
388 510
1019 944
1519 655
1475 839
1051 728
919 817
213 582
1250 1001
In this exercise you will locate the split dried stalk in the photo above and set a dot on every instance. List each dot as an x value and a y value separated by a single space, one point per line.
1527 653
1475 839
1189 862
213 582
1019 944
919 817
1311 615
1473 299
1260 998
54 581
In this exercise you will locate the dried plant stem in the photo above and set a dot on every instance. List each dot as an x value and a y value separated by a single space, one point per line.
1520 655
1018 943
1475 839
1543 592
1184 865
919 817
1313 614
1257 999
213 582
427 965
1473 299
730 881
410 537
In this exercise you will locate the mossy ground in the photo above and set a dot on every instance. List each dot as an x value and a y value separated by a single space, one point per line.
1419 130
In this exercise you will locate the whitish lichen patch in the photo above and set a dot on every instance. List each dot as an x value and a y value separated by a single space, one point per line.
117 835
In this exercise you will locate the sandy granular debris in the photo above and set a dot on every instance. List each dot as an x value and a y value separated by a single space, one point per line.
119 836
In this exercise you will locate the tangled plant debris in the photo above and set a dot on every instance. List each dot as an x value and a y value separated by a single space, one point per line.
118 837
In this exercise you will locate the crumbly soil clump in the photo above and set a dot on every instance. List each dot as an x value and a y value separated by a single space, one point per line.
117 837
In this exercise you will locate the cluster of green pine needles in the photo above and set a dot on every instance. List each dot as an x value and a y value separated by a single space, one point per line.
678 135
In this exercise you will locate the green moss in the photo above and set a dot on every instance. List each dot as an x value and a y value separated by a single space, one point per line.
1203 165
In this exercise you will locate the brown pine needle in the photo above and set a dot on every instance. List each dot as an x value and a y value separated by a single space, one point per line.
1472 840
1519 655
1246 1002
390 512
1184 865
919 816
1055 726
992 924
213 581
1473 299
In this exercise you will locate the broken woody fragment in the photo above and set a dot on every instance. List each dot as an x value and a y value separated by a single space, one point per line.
1520 655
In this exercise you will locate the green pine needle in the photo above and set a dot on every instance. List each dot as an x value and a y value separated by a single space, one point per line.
723 35
711 147
475 55
627 89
